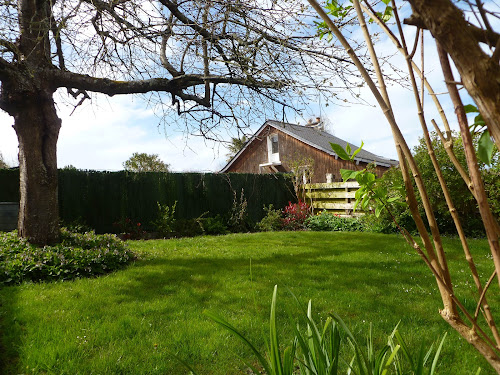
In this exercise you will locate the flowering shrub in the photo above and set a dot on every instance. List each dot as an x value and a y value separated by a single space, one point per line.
130 229
325 221
78 255
294 215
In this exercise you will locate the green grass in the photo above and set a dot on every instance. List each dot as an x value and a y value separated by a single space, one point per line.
129 321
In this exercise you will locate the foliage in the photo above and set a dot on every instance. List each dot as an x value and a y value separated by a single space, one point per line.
485 147
132 230
272 221
321 350
142 162
326 221
77 226
78 255
463 200
188 227
387 192
491 177
214 225
165 222
235 146
238 215
295 215
3 163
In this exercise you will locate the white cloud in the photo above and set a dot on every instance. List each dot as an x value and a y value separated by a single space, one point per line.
103 136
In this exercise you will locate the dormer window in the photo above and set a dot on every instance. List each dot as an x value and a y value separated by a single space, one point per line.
273 148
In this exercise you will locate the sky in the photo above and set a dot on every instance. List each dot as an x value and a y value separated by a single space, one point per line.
103 133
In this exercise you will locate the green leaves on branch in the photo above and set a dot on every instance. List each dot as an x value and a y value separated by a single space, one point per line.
341 11
345 154
485 145
370 194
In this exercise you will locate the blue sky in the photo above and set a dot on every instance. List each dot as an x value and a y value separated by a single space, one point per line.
102 134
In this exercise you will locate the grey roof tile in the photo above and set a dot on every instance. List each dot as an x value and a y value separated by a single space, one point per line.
321 140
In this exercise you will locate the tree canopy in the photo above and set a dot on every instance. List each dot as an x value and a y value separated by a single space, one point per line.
142 162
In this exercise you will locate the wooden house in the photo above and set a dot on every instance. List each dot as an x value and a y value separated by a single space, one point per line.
279 146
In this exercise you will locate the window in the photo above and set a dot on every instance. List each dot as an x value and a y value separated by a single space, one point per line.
274 144
273 148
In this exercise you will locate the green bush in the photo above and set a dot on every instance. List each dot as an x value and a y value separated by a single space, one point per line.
214 225
188 227
165 222
326 221
272 221
78 255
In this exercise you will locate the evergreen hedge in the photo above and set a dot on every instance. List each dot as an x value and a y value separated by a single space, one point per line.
100 199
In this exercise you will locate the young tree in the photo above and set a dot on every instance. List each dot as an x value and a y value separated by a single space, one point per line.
142 162
206 60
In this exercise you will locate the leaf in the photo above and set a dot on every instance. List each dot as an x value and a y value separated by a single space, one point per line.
485 148
340 151
348 174
348 150
436 356
358 150
469 108
386 2
378 210
478 121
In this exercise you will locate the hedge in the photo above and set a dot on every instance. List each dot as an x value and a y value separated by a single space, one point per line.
100 199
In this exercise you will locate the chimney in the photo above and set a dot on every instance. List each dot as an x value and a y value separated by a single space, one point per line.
316 124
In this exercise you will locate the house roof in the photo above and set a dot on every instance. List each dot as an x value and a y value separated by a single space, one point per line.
318 139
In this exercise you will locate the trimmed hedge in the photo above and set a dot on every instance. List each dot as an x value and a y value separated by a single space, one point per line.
100 199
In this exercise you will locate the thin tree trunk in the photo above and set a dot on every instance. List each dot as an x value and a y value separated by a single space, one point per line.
37 126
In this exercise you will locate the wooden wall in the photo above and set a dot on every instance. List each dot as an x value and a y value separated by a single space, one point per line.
290 150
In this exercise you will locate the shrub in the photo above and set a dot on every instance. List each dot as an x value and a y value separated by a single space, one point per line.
272 221
166 220
78 255
326 221
214 225
238 215
294 215
188 227
132 230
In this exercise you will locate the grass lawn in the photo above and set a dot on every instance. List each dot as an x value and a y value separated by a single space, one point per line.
128 322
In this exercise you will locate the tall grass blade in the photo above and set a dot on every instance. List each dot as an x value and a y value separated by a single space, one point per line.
274 352
436 356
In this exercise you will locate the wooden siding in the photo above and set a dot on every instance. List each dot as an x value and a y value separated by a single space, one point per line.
290 150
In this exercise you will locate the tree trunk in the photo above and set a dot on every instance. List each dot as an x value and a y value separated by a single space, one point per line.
37 126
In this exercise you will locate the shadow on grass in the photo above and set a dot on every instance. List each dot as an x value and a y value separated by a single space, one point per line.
9 355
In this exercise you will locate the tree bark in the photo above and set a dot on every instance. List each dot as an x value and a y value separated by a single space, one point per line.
37 127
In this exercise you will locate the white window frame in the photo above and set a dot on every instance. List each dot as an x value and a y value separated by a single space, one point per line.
273 157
